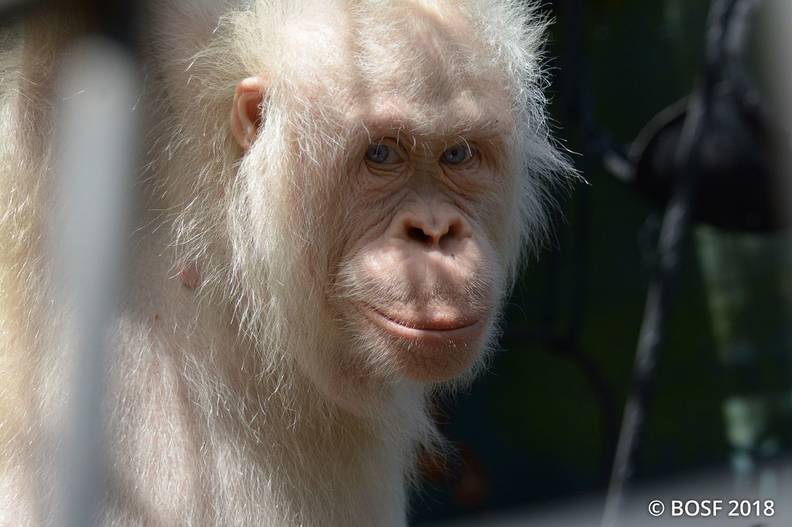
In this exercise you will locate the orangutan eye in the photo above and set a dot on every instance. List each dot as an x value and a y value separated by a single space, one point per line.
458 154
382 154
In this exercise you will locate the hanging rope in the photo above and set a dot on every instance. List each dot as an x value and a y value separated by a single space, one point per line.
673 233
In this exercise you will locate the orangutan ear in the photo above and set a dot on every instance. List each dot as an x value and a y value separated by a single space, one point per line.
246 114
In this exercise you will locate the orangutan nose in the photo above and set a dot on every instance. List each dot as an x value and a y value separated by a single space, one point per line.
433 231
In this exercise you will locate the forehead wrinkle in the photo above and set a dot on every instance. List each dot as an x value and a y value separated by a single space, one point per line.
392 85
483 126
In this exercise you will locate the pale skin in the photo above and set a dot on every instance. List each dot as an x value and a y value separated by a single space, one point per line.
335 202
428 250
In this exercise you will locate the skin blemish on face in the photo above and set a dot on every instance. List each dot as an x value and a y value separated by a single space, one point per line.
190 277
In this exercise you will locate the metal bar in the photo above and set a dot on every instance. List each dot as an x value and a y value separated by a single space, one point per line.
97 134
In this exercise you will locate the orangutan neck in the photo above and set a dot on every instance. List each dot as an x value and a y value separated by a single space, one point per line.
211 439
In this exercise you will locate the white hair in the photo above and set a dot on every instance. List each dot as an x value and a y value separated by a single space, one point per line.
217 423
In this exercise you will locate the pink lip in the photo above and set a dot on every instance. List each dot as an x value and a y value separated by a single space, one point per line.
423 330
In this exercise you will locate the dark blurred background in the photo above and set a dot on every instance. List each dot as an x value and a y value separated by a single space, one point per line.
542 424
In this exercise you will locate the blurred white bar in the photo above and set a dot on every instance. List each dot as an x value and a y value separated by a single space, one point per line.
96 138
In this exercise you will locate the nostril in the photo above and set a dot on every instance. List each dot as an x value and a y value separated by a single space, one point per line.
417 234
448 239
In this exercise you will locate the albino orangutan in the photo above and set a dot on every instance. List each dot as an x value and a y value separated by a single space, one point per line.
337 195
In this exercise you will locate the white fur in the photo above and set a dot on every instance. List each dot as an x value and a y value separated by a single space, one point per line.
222 410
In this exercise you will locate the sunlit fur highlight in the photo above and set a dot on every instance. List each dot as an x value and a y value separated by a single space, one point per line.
218 423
